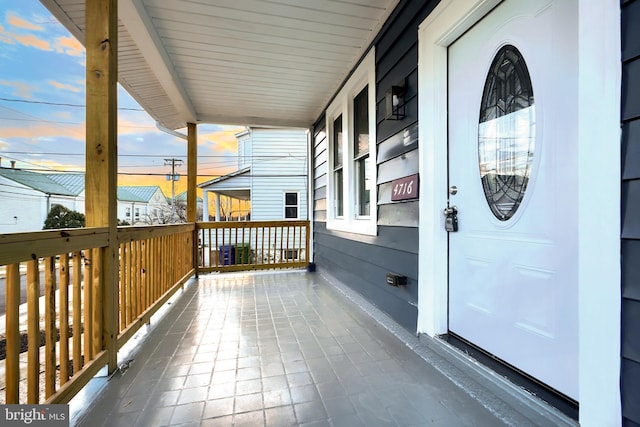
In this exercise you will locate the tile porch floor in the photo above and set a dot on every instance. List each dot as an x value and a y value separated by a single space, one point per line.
276 349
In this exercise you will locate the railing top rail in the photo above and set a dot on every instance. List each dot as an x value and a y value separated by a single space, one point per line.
251 224
131 233
19 247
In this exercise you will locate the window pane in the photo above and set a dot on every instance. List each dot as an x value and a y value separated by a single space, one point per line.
361 123
291 199
291 212
506 133
337 142
363 186
338 197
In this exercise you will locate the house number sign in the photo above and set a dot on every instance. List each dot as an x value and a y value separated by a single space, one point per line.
404 188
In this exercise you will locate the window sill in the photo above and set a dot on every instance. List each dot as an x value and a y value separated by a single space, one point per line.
357 226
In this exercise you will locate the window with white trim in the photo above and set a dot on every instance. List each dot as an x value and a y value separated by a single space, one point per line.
351 125
291 205
128 213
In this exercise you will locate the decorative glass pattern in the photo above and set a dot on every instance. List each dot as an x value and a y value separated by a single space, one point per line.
506 133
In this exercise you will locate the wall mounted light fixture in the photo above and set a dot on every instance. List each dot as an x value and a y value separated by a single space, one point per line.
395 101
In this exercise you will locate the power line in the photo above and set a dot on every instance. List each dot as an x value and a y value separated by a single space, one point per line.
233 156
67 123
60 104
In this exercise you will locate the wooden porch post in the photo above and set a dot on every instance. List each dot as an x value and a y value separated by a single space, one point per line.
101 22
192 172
192 196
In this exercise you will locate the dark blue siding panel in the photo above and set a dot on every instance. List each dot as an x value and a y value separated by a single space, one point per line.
631 209
402 142
631 271
630 325
628 423
630 390
401 311
630 90
630 31
631 149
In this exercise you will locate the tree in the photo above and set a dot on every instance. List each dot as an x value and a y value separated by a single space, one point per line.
61 217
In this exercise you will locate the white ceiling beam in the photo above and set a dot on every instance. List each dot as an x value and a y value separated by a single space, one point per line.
283 122
134 17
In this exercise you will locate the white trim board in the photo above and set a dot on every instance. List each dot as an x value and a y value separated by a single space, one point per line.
598 252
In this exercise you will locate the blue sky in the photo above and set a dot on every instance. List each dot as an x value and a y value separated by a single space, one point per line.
42 91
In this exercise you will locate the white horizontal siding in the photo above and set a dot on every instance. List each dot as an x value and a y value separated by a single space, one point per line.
279 165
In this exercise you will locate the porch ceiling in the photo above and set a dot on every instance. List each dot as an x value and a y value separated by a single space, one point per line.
245 62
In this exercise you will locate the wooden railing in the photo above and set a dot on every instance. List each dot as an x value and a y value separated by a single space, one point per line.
64 320
252 245
56 342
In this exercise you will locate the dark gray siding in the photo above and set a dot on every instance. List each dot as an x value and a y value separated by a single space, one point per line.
362 262
630 248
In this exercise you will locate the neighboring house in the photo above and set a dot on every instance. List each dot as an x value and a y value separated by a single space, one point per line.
27 197
143 205
271 176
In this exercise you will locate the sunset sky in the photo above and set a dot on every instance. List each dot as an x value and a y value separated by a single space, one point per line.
42 115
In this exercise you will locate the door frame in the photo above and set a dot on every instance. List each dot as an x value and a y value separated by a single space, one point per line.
599 290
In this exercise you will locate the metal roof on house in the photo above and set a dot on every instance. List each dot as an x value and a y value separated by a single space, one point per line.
74 182
142 193
37 181
245 62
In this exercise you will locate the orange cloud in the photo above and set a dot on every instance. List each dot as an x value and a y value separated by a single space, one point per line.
62 166
130 127
64 86
44 130
69 46
29 40
223 140
20 89
16 21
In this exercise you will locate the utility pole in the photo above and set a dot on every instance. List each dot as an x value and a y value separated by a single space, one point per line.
173 162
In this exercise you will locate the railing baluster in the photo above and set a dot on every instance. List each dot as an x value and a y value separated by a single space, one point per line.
33 332
12 366
87 302
77 313
288 248
64 318
50 326
96 303
122 287
138 278
281 242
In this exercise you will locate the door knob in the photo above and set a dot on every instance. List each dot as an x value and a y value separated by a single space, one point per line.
453 190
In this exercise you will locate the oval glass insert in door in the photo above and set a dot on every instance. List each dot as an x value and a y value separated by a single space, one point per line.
506 133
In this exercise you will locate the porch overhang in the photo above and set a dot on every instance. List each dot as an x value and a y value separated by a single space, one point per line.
244 62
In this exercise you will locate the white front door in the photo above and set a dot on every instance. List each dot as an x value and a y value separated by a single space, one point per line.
513 271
